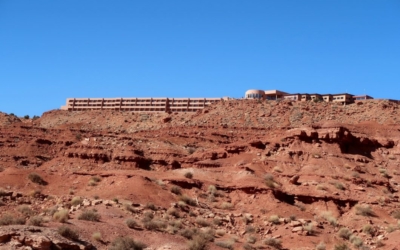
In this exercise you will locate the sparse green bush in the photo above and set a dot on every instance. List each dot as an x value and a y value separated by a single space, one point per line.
226 205
329 217
155 225
147 216
320 246
344 233
274 219
76 201
251 239
250 229
220 232
356 241
364 210
202 222
228 244
396 214
97 236
309 229
269 181
176 190
150 206
246 246
130 208
25 210
188 175
126 243
94 180
8 219
61 216
197 243
173 212
212 189
26 116
35 178
131 223
188 200
341 246
188 233
36 221
368 229
275 243
68 233
339 186
89 215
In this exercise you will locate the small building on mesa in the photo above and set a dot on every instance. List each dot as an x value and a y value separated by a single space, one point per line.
362 97
344 98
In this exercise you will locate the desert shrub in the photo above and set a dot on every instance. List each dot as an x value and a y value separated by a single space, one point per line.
176 190
339 185
25 210
197 243
202 222
269 181
251 239
250 229
246 246
147 216
150 206
275 243
320 246
8 219
3 192
36 221
68 233
226 205
344 233
228 244
321 187
217 221
89 215
356 241
176 223
329 217
126 243
188 200
341 246
368 229
274 219
35 178
396 214
188 233
379 243
309 229
115 199
220 232
130 208
247 218
96 178
364 210
76 201
173 212
155 225
97 236
188 175
212 189
61 216
131 223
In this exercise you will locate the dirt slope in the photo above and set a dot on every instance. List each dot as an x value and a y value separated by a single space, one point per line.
239 175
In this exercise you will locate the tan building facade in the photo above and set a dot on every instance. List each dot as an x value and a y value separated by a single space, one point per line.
140 104
344 98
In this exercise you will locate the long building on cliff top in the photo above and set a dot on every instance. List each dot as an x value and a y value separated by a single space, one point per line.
195 104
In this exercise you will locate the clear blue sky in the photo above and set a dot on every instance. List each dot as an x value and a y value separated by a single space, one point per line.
51 50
